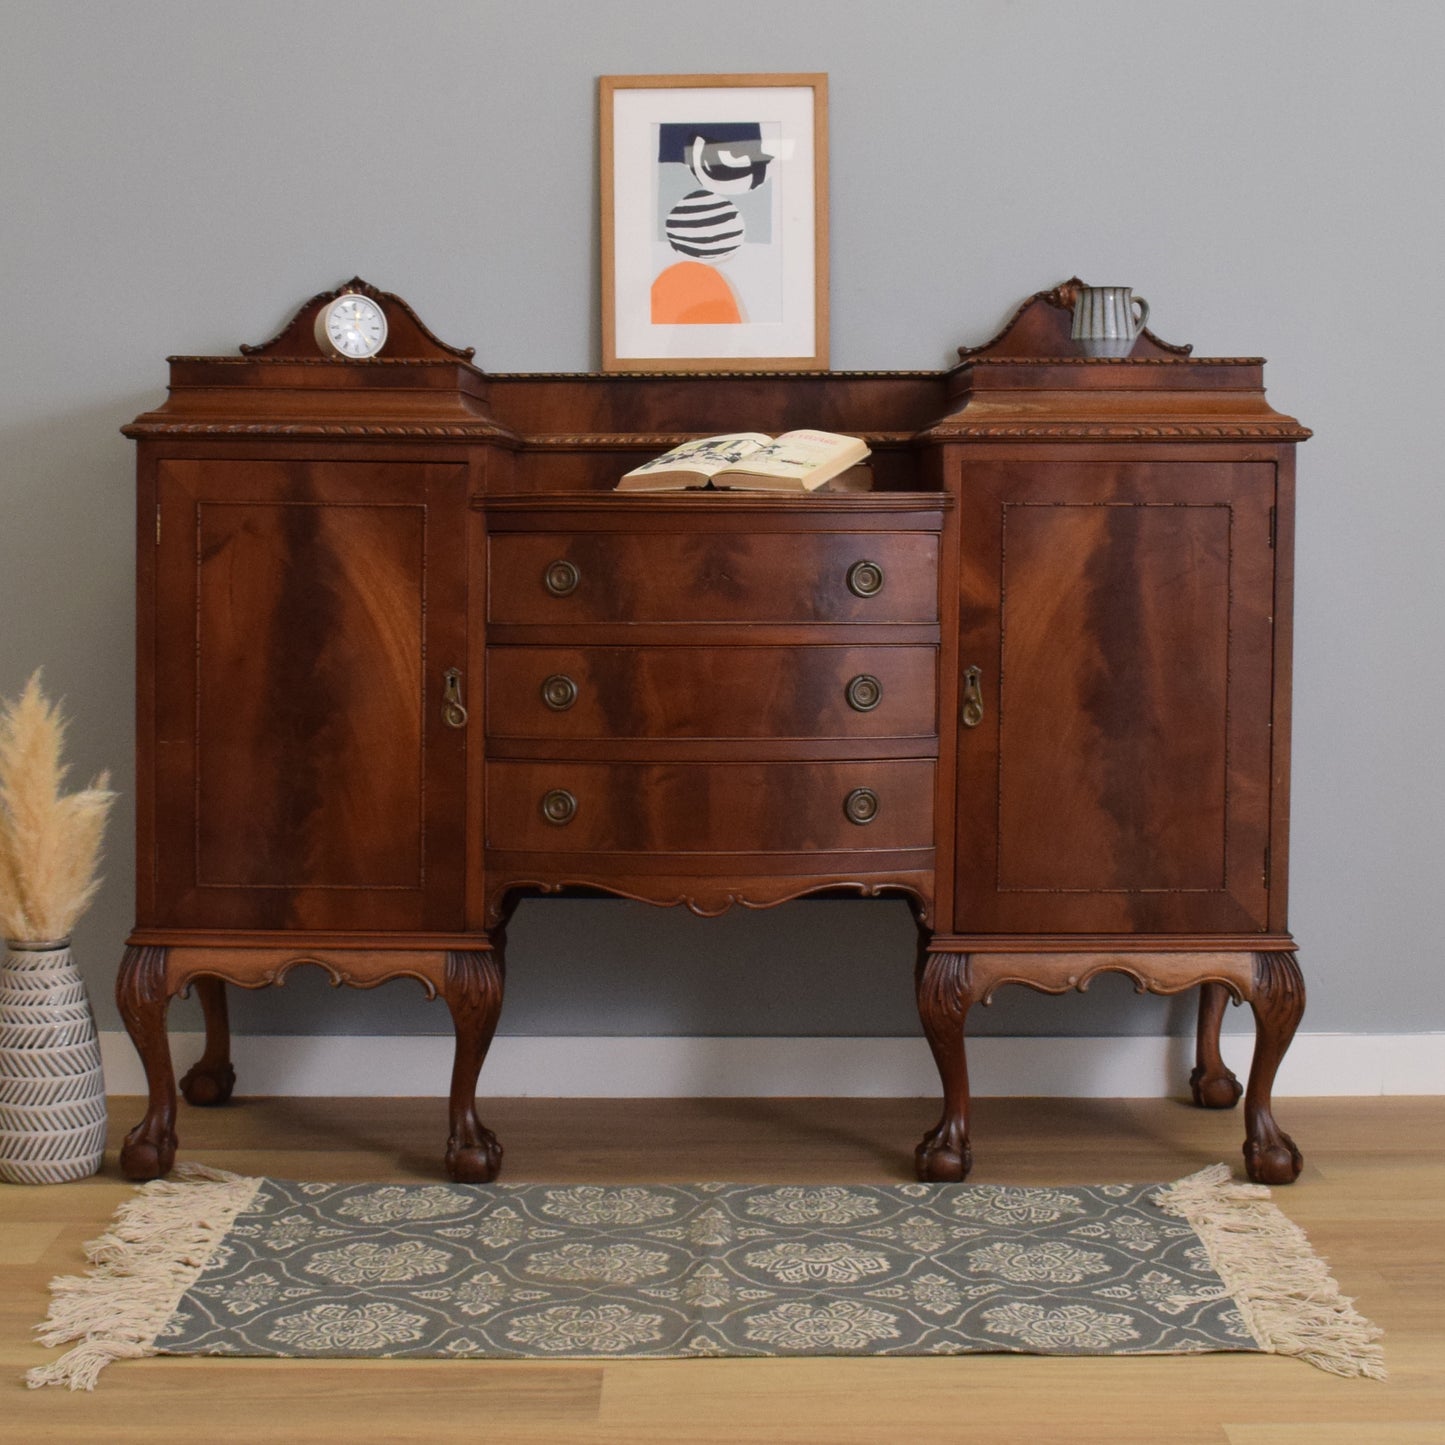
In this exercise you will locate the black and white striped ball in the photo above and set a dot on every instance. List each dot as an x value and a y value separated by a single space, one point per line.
705 226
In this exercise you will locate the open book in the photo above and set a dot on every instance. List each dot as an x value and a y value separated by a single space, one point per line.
797 461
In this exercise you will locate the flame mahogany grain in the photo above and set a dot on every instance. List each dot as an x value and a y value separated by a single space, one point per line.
1072 755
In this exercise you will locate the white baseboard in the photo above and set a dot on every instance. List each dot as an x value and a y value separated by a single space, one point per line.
413 1065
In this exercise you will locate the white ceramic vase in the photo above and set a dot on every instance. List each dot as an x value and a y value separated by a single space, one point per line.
52 1090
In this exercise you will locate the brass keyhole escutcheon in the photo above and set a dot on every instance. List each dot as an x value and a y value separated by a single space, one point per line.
865 579
559 806
861 806
970 704
559 692
454 714
561 577
864 693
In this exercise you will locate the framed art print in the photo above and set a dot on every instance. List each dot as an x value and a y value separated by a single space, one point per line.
714 192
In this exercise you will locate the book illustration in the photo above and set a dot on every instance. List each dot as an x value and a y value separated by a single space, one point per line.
706 455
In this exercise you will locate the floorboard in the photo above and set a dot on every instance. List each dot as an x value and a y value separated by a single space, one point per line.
1372 1198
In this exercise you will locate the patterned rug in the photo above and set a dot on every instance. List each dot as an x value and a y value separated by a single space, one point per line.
214 1264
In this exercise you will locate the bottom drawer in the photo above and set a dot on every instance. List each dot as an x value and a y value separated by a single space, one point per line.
564 807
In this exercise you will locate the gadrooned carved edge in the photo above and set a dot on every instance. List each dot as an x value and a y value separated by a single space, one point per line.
704 902
1130 362
472 431
1062 297
1122 431
671 376
387 298
947 431
615 441
373 363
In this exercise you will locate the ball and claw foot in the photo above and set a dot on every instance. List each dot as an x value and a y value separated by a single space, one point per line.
208 1088
474 1162
1273 1159
943 1157
147 1155
1215 1090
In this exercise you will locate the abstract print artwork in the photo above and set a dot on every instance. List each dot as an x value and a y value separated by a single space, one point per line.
714 222
717 227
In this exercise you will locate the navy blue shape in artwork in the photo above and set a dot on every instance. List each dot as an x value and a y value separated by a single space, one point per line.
675 138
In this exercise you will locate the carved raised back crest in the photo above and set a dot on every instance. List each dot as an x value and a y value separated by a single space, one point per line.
408 337
1041 328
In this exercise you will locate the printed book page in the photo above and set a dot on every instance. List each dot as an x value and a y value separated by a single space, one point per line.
797 461
805 458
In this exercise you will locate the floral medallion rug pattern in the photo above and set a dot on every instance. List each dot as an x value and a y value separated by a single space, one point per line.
529 1271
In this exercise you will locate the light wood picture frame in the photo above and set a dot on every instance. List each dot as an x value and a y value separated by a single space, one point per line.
714 210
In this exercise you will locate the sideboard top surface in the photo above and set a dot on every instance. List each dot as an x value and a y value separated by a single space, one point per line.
1031 380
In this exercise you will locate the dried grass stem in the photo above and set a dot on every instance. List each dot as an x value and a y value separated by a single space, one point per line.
49 840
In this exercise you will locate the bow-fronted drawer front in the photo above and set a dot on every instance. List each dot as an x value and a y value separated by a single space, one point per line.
659 693
587 807
571 578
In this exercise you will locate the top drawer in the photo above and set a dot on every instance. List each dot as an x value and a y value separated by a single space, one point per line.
712 576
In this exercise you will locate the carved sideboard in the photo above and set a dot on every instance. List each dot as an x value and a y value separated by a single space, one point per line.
404 658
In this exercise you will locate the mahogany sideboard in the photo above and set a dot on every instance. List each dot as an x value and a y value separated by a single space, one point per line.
404 657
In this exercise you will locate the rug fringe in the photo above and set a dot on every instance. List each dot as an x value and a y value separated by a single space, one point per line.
1290 1301
154 1251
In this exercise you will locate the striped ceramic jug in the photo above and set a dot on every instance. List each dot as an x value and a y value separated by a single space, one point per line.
1104 319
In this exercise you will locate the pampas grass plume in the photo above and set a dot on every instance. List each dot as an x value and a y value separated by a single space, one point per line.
49 841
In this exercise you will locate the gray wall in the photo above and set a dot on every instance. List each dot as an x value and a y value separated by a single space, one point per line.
177 177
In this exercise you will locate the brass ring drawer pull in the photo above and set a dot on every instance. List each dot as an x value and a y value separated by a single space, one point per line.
971 700
561 577
861 806
454 713
865 579
559 692
864 693
559 806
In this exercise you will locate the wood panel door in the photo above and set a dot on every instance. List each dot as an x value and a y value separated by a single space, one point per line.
306 614
1120 618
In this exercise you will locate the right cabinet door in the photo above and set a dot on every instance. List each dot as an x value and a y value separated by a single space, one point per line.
1120 618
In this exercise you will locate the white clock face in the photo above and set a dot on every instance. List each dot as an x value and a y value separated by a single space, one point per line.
352 326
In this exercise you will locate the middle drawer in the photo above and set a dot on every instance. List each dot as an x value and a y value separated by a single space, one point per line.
710 692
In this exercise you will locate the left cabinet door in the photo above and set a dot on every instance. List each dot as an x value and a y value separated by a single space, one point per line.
306 613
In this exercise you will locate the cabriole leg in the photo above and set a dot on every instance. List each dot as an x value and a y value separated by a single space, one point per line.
473 992
943 1004
1213 1085
211 1079
1278 1001
140 992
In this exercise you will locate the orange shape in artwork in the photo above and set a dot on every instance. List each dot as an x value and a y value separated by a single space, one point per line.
692 294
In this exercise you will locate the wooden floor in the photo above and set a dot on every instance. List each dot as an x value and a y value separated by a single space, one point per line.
1372 1198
